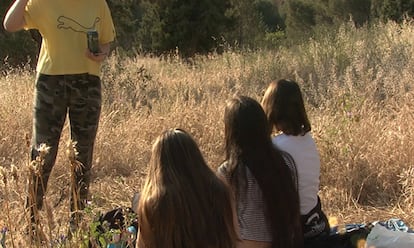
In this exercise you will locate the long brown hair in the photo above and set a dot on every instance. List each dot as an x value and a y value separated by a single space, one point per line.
248 144
183 202
285 109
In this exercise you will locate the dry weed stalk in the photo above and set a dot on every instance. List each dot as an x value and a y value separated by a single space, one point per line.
407 183
34 169
50 218
75 165
3 175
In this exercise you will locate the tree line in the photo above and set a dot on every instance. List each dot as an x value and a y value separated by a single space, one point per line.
196 27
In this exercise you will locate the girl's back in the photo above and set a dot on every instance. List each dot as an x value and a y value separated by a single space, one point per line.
304 151
183 202
265 195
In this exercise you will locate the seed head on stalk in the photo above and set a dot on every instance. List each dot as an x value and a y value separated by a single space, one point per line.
14 172
3 175
43 150
72 154
35 166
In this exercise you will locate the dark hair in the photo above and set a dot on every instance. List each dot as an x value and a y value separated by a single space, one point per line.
183 202
248 143
285 109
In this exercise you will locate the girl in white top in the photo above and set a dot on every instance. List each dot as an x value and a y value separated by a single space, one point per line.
285 110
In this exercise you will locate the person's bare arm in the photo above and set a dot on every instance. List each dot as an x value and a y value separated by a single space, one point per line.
99 57
14 19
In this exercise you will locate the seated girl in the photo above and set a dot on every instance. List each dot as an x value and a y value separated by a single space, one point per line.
285 110
266 200
183 203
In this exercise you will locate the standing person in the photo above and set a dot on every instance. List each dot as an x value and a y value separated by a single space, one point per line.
183 203
285 110
263 184
67 82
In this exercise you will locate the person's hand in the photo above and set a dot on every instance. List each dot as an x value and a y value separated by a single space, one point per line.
97 57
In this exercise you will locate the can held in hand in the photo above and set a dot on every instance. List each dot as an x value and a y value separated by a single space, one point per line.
93 41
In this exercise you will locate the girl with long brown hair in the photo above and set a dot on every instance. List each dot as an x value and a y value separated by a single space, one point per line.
183 203
262 178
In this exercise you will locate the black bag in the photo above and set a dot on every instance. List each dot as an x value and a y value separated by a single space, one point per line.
122 219
315 223
350 237
116 218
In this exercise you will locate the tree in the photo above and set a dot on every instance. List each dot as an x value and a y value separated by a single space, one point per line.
250 27
360 10
270 15
190 26
125 15
392 9
150 32
300 18
303 15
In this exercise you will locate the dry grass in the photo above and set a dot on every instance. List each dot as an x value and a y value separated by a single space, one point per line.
358 88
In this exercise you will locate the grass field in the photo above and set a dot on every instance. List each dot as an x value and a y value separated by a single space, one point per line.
359 91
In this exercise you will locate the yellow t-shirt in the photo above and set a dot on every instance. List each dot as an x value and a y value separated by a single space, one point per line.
63 25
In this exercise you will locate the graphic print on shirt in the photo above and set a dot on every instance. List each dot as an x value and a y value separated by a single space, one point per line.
65 22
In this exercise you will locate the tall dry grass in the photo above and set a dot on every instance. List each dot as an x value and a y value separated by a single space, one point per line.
359 94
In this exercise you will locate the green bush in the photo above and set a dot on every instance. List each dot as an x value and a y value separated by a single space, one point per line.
17 49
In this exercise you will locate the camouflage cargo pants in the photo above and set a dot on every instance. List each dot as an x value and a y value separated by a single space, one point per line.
79 97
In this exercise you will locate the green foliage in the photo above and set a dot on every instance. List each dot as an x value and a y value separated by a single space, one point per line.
358 9
392 9
189 26
270 15
150 33
339 11
99 234
300 18
125 15
274 39
17 49
249 27
101 239
198 27
303 15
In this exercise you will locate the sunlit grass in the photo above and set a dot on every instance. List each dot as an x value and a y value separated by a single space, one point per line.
359 94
